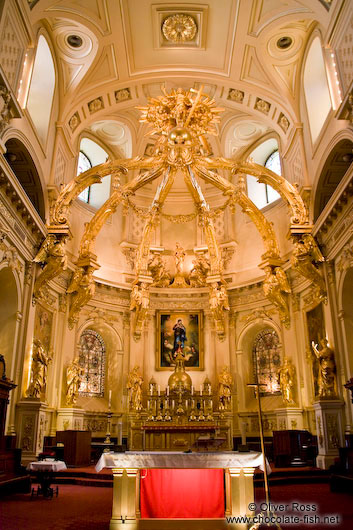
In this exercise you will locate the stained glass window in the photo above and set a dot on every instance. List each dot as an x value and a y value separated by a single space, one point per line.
84 164
92 360
267 361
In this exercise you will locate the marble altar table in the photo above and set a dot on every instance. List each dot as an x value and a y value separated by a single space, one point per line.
238 473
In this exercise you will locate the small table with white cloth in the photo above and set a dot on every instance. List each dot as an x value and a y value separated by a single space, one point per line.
238 479
45 471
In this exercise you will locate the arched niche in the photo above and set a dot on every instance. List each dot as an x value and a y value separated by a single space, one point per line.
8 309
336 165
21 163
113 365
244 350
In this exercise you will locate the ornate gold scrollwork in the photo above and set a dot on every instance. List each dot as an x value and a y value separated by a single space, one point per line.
287 191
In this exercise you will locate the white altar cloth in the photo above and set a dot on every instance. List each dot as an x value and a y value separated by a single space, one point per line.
46 465
178 460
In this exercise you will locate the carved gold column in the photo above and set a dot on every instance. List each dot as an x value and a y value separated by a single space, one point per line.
126 498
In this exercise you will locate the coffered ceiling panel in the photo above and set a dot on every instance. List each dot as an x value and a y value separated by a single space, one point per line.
205 43
95 11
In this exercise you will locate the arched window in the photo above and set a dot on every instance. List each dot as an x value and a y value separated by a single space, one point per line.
267 361
84 164
316 90
265 154
91 154
41 91
92 360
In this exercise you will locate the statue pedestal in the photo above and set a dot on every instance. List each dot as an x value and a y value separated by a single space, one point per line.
70 418
290 418
34 419
329 427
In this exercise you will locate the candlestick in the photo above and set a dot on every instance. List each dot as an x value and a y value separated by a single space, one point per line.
168 390
200 390
110 399
159 390
192 390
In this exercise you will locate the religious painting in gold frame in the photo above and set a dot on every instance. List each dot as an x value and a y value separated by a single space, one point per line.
184 329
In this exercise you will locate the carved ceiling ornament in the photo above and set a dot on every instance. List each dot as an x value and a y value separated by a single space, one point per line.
179 28
180 121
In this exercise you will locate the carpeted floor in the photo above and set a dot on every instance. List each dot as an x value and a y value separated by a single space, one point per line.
326 503
89 508
76 508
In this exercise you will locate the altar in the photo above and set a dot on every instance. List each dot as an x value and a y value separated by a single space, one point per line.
231 487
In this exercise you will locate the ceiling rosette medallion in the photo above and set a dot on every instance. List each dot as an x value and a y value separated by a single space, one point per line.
179 28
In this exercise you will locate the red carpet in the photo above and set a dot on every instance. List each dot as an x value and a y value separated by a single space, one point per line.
76 508
312 494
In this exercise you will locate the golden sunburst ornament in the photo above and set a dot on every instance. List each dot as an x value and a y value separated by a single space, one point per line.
188 109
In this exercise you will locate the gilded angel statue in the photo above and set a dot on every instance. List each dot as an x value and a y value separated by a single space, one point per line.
198 274
74 373
84 287
39 370
225 381
276 287
305 254
160 275
327 371
134 387
286 376
52 252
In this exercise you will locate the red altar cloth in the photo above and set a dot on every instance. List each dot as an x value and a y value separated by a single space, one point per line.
182 493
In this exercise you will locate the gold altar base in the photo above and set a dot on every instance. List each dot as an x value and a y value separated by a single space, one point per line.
239 492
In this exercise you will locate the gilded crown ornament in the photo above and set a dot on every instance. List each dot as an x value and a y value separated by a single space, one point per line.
181 120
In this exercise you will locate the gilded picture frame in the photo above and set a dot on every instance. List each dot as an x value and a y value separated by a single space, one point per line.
184 328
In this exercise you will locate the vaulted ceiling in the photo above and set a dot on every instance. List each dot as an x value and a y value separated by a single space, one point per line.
113 54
